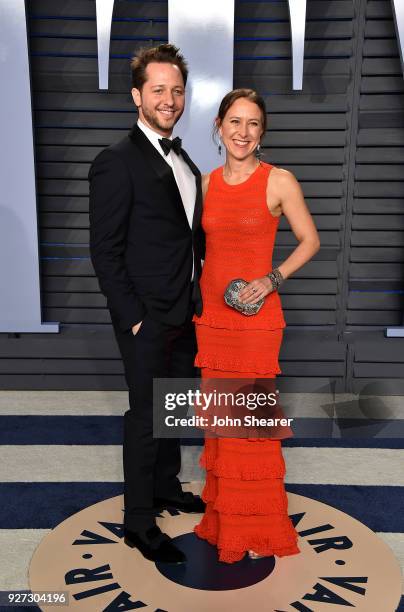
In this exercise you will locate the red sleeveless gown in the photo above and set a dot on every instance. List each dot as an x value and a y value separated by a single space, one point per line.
244 491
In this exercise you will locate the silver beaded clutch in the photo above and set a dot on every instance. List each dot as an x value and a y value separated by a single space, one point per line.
231 298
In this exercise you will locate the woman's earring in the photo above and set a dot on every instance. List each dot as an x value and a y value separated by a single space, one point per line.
258 151
219 148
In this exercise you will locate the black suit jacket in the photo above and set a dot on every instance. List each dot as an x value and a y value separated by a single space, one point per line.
140 241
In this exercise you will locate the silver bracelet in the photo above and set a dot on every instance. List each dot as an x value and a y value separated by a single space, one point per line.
276 278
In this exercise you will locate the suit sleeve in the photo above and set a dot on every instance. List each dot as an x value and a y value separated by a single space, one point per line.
201 240
200 234
110 206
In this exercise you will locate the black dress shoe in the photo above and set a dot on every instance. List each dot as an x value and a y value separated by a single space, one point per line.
154 545
187 502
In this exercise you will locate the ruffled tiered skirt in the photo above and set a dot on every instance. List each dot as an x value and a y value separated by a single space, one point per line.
247 506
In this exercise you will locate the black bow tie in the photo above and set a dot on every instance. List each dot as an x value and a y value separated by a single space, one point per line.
167 145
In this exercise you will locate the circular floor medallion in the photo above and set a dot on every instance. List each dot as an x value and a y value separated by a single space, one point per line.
342 565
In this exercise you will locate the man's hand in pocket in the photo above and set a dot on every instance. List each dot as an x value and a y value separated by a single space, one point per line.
136 328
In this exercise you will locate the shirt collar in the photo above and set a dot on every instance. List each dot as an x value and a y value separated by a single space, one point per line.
153 136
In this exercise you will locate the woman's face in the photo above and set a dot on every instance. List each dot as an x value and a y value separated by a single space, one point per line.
241 128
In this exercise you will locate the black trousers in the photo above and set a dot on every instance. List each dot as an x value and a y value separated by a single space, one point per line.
151 465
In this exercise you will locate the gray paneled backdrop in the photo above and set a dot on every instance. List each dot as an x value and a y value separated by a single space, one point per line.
342 136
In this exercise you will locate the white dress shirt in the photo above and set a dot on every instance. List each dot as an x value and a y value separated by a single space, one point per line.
183 175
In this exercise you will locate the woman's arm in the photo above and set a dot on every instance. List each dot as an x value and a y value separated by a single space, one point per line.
284 189
284 195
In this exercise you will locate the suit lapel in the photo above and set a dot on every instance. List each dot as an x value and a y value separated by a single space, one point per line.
164 171
156 161
198 199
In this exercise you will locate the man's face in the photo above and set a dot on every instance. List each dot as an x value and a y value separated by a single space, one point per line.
161 100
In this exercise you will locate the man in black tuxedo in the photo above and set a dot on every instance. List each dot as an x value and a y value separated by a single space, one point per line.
146 246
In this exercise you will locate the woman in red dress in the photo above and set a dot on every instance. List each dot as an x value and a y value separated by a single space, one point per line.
247 509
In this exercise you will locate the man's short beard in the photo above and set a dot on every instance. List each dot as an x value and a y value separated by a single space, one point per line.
154 123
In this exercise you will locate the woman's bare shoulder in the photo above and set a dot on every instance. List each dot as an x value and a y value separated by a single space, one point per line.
281 176
283 182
